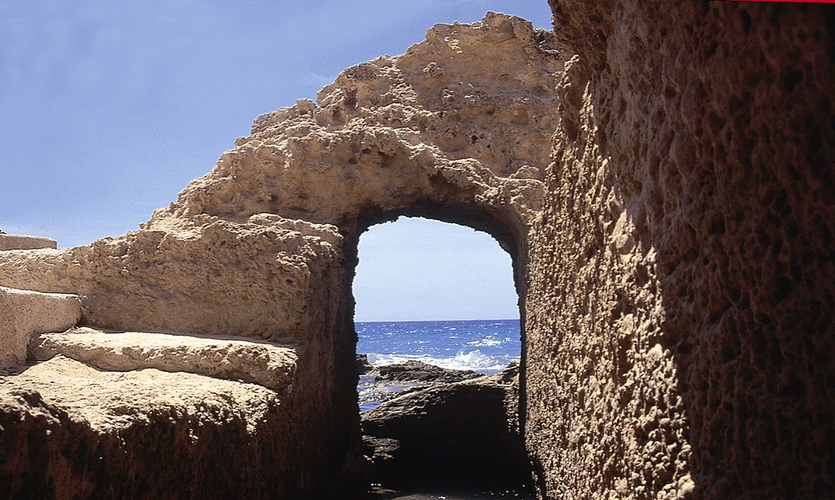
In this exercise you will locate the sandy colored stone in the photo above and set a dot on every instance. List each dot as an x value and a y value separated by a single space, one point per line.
262 277
230 358
454 127
98 396
264 246
23 242
252 278
69 430
24 313
661 174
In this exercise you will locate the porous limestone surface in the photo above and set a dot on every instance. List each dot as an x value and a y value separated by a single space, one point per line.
230 358
24 313
23 242
680 313
454 127
71 431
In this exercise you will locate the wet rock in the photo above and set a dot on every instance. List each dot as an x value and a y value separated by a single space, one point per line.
363 366
418 371
382 383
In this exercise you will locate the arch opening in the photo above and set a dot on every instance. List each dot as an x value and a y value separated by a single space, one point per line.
466 271
436 293
432 294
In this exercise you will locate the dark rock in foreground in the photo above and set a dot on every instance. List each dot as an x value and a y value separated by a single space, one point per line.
461 433
418 371
382 383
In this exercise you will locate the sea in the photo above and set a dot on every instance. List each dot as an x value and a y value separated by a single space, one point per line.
483 346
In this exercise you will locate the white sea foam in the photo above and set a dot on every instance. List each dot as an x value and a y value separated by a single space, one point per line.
488 342
473 360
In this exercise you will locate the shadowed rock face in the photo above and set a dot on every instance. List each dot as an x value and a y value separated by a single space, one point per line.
679 320
452 433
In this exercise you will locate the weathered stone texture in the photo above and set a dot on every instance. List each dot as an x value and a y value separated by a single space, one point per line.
672 247
265 244
24 242
254 278
264 277
70 431
230 358
453 128
679 317
24 313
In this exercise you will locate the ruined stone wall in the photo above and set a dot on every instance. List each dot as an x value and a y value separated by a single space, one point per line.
265 244
673 253
680 310
264 277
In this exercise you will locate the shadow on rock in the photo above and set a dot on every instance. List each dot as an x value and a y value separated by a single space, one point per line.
463 433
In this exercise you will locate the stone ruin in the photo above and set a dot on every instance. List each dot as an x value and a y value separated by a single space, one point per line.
660 175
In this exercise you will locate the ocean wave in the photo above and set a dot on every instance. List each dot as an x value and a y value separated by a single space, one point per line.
472 360
488 342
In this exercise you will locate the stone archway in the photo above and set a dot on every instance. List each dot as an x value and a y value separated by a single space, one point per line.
264 246
680 261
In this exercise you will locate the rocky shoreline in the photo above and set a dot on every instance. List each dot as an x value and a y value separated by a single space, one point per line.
379 384
443 428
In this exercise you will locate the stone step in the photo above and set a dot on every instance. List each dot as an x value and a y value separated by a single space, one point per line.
230 358
109 399
139 431
22 242
24 313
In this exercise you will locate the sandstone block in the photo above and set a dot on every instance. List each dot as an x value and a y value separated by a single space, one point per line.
66 427
22 242
230 358
24 312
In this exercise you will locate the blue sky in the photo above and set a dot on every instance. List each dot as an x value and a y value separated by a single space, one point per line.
416 269
108 109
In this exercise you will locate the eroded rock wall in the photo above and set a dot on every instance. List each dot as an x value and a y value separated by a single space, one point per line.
453 128
679 317
265 277
265 245
672 243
